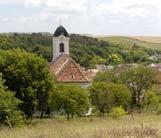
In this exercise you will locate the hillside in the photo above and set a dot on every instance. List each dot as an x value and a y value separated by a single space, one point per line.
148 42
151 39
87 51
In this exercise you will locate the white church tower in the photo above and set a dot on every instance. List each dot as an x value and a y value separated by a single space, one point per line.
60 42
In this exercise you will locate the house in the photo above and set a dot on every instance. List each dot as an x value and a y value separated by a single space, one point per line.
62 66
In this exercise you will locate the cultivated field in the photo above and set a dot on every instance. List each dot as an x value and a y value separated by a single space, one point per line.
149 42
142 126
151 39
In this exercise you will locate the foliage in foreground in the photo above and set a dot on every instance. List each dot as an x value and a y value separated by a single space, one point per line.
151 101
142 126
139 80
131 87
106 96
71 99
9 113
117 112
28 76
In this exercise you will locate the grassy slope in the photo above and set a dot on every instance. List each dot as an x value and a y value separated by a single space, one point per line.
141 126
151 39
129 41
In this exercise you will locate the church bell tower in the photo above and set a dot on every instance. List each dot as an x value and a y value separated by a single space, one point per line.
60 42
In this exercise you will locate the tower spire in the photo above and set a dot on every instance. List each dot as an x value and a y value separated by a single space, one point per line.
60 42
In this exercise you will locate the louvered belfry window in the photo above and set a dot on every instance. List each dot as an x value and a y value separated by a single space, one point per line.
62 47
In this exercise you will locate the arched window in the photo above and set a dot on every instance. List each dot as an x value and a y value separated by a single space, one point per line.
62 47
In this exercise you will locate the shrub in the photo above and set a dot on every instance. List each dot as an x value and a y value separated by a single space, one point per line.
151 101
117 112
14 119
159 110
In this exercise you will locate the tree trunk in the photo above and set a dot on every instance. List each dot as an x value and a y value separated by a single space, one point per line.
72 116
68 116
42 115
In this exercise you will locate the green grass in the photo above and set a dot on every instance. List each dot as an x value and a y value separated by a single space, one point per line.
127 41
142 126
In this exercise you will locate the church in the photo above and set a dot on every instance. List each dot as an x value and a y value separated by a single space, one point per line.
62 66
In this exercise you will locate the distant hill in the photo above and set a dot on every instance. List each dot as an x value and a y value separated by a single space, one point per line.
151 39
149 42
88 51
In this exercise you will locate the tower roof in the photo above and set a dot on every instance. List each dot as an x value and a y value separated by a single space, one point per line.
60 31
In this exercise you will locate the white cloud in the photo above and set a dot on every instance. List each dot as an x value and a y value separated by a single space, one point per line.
4 2
92 16
59 5
4 20
33 2
132 7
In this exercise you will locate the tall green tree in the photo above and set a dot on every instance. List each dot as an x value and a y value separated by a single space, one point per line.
28 76
101 97
105 96
139 80
121 95
71 99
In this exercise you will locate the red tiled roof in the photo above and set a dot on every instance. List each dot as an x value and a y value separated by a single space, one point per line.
66 70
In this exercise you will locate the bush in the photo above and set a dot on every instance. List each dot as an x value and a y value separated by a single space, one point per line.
14 119
151 101
159 110
117 112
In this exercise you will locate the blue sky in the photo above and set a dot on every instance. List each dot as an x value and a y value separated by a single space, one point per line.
108 17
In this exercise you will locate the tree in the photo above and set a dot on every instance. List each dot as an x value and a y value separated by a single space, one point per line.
121 95
105 96
106 76
101 97
86 51
72 99
28 76
9 113
139 80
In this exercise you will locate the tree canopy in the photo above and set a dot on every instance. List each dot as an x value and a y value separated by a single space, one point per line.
86 51
28 76
139 80
105 96
9 112
72 99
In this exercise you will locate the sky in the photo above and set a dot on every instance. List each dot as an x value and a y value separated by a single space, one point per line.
97 17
